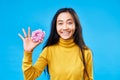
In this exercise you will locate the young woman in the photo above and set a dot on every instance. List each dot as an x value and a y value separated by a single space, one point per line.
65 53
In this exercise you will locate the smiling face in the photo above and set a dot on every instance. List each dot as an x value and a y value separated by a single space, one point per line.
65 25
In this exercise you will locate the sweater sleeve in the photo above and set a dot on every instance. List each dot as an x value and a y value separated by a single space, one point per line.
89 65
31 72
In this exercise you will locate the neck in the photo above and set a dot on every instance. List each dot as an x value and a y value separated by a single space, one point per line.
66 42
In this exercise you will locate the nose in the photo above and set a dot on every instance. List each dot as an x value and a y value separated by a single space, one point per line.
65 27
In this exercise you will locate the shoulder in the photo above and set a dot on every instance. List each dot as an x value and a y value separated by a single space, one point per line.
46 52
88 53
49 48
87 50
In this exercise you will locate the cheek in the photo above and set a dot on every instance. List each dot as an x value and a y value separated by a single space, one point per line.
73 31
57 29
73 28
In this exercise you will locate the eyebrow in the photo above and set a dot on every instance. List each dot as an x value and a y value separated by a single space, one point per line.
70 20
59 20
67 20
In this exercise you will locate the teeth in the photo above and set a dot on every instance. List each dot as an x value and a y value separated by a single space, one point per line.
65 33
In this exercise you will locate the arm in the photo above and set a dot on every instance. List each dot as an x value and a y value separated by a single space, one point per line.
89 65
32 72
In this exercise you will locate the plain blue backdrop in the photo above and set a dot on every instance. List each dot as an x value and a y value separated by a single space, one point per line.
100 20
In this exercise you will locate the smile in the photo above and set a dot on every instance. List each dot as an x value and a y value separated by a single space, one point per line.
65 33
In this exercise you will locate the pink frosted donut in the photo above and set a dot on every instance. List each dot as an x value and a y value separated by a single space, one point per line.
38 35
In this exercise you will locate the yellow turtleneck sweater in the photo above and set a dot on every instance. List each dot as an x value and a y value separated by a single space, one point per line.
64 62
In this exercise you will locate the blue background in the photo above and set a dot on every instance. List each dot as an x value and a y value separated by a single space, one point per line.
100 20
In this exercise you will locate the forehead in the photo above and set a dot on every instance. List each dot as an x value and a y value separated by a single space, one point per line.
64 16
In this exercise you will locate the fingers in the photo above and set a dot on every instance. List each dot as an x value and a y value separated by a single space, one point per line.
28 32
24 33
21 36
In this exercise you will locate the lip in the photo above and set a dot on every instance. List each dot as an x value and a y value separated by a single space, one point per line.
65 33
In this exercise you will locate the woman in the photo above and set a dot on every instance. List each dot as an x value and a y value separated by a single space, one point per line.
65 53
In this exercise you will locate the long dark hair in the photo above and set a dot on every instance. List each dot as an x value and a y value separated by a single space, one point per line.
78 39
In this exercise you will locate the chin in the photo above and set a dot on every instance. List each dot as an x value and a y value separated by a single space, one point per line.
65 38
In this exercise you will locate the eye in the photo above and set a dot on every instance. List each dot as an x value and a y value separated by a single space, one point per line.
70 23
60 23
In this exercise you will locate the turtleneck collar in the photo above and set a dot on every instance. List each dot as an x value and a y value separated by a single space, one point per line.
66 43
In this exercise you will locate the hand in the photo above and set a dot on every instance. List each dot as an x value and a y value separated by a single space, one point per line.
28 44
